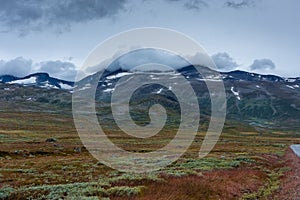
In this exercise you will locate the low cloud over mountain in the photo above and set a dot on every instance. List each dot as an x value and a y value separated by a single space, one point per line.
18 66
263 64
67 70
224 62
21 67
60 69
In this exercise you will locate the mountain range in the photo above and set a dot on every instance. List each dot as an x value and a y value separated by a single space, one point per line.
259 101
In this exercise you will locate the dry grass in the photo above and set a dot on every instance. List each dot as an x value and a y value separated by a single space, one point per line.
241 165
217 184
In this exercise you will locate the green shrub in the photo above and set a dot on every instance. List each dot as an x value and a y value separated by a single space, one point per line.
5 192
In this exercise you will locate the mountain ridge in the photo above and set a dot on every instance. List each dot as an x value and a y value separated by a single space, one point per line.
267 101
40 79
231 75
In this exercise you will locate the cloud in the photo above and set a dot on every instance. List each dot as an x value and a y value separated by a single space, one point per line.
32 15
240 4
145 56
58 69
25 16
199 4
224 62
21 67
195 4
140 57
263 64
191 4
18 67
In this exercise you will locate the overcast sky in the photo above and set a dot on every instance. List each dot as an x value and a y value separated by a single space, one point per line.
56 36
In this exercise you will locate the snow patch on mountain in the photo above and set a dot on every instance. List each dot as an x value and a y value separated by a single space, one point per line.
109 90
65 86
159 91
85 87
119 75
31 80
290 87
48 85
235 93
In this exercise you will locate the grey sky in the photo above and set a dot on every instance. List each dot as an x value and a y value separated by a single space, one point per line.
245 30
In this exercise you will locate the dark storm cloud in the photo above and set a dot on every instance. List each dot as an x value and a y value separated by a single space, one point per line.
240 4
224 62
263 64
18 67
27 15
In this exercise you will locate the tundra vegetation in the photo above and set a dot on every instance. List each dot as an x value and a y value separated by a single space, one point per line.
40 160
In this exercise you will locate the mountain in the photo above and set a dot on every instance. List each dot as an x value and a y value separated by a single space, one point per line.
254 100
262 101
38 79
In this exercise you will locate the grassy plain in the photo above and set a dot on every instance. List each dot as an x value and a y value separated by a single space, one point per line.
243 165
